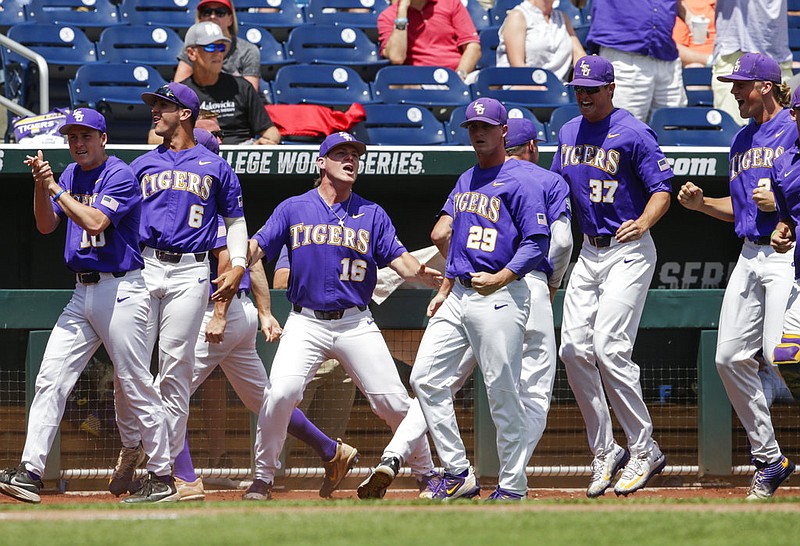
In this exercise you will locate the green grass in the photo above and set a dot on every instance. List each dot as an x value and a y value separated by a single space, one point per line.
348 523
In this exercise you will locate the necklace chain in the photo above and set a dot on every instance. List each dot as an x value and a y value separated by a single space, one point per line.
346 212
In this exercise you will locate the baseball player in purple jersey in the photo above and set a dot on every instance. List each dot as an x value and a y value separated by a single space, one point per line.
499 234
184 187
99 197
620 185
337 240
539 343
751 315
787 197
227 339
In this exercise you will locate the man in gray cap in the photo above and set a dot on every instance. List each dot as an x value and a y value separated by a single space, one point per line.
239 108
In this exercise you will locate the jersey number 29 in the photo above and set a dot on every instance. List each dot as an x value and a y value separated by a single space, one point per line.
481 238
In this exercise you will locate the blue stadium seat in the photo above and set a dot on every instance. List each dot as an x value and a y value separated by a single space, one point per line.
347 13
502 7
278 16
537 88
65 48
90 16
490 39
697 82
337 45
155 46
459 135
481 18
693 126
793 10
177 14
320 84
794 43
398 124
11 14
434 87
558 118
273 56
115 89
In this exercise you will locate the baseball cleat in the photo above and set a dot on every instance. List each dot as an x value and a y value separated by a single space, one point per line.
640 470
190 491
428 483
337 468
374 487
155 489
259 490
500 494
128 461
454 486
769 477
18 484
604 467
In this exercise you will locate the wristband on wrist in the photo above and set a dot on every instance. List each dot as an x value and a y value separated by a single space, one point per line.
401 23
56 196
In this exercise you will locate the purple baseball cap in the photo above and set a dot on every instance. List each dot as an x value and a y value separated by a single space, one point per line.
486 110
520 131
796 98
337 139
84 117
204 138
592 71
176 93
754 67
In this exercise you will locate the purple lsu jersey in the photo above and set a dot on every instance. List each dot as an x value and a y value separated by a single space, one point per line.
333 266
612 167
111 188
182 193
786 169
283 259
222 241
493 211
556 191
753 151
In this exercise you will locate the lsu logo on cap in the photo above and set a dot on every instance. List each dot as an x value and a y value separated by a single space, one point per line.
78 115
479 109
737 65
585 68
345 136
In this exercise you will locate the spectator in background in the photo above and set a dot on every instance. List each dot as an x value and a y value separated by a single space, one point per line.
648 71
240 111
535 34
242 59
696 48
429 33
756 26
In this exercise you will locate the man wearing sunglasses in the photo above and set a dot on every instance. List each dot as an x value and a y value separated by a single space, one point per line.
619 180
240 110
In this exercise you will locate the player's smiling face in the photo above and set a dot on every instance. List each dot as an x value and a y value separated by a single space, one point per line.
341 163
749 96
166 116
87 147
595 103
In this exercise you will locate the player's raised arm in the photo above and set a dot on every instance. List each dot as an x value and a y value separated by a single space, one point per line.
692 197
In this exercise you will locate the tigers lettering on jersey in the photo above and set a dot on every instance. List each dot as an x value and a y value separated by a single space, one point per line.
176 180
478 203
594 156
328 234
753 158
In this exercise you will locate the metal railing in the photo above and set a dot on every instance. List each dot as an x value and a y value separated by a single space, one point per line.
44 77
